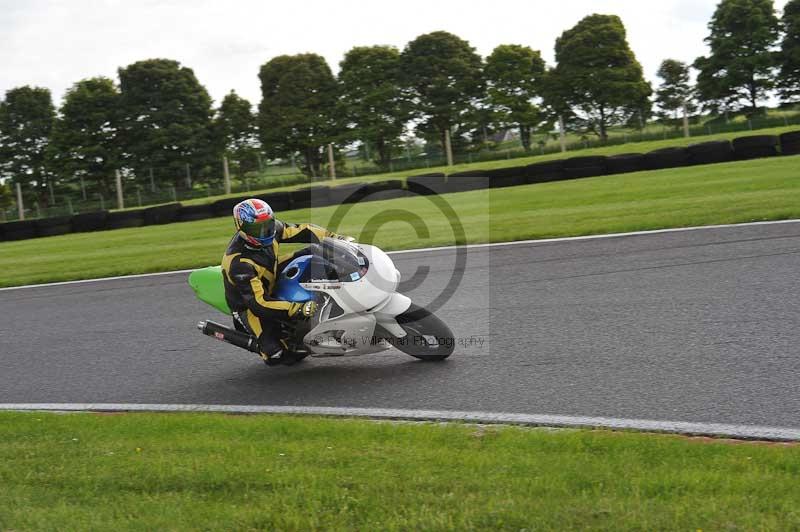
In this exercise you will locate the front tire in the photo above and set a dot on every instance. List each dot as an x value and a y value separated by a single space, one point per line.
427 337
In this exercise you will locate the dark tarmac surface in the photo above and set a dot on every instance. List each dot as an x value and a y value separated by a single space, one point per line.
698 326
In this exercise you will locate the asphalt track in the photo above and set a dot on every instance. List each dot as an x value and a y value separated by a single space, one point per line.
693 326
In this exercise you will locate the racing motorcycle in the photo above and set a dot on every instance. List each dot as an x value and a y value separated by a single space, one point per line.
359 309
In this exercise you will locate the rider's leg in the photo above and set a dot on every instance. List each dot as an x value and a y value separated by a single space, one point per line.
273 348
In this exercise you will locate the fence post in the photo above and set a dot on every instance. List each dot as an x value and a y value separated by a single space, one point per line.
686 132
448 147
227 175
120 198
20 204
331 162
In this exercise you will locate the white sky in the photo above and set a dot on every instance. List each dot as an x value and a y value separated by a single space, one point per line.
54 43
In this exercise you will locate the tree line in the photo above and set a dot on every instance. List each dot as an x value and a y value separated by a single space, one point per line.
158 122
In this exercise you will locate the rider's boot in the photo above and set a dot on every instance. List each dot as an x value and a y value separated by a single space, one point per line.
276 353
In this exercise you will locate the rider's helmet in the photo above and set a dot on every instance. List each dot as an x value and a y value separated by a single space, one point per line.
255 222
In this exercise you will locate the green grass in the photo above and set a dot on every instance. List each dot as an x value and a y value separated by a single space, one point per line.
196 471
767 189
631 147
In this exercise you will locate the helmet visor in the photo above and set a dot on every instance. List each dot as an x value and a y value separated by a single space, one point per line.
259 229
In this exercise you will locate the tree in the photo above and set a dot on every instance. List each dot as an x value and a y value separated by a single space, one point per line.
236 132
85 140
6 196
742 61
443 75
675 92
597 75
296 113
26 120
373 103
166 119
555 104
789 56
514 74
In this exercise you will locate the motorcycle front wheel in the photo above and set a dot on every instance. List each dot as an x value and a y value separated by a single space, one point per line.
427 337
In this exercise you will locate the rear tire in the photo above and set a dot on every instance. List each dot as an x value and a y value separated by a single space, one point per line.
427 337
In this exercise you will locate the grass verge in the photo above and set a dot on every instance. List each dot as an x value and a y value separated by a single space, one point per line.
205 471
767 189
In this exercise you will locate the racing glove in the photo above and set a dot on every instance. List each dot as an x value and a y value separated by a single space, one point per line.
303 310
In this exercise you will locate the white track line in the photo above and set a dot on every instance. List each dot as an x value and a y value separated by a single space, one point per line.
745 432
422 250
597 237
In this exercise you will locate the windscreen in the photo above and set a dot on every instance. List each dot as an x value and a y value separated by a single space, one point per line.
346 261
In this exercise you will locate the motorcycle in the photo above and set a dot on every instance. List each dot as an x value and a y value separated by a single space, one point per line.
359 311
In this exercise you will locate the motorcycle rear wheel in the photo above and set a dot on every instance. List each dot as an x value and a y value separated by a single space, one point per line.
427 337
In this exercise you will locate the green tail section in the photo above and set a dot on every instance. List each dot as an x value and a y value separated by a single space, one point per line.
208 287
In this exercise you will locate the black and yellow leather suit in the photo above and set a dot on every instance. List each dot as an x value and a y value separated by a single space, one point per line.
250 276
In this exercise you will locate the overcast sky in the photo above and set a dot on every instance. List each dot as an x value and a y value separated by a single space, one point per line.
54 43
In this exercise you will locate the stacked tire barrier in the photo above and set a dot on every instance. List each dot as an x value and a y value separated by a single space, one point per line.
426 184
666 158
755 147
589 166
124 219
626 163
790 143
710 152
545 172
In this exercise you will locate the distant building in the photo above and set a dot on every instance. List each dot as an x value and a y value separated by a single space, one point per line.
506 135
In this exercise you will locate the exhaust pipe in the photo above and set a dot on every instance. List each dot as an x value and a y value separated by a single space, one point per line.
231 336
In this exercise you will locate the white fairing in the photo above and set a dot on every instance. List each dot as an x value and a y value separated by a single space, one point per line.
366 302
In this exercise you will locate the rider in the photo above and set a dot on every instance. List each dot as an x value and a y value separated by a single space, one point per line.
250 268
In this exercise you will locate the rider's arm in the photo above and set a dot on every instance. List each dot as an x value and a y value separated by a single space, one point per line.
302 233
246 276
